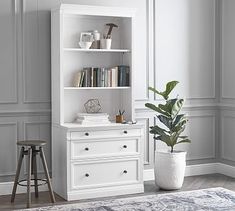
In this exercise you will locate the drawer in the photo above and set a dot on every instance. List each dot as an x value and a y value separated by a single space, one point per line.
105 147
105 133
104 173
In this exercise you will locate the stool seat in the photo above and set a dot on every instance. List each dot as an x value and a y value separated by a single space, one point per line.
31 143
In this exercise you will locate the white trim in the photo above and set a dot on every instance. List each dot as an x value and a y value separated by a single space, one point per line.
226 169
6 188
200 169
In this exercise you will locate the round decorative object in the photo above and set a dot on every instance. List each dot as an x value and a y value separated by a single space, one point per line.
92 106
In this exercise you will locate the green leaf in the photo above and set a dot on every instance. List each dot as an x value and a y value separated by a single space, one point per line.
169 87
179 126
176 107
184 141
166 139
183 137
155 108
178 119
157 130
165 120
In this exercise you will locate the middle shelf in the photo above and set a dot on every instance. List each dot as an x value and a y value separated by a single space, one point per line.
96 88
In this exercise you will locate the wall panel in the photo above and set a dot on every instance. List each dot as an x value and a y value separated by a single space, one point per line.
8 46
185 46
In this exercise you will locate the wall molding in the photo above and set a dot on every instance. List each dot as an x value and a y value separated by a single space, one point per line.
223 154
20 113
15 50
12 124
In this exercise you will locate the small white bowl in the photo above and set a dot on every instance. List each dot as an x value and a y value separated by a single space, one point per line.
85 45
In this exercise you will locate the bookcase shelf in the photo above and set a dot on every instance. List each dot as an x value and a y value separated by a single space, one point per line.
96 88
97 50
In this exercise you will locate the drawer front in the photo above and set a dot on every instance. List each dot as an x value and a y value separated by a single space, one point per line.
104 173
106 147
105 134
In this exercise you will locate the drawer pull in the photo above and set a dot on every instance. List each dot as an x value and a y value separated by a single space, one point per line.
125 131
125 171
87 175
87 149
124 146
86 134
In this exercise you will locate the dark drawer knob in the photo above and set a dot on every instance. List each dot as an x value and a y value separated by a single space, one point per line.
87 175
86 134
125 171
125 131
124 146
87 149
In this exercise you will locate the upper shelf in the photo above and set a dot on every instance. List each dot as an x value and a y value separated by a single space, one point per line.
98 50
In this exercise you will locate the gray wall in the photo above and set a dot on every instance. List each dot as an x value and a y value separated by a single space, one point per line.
227 99
186 40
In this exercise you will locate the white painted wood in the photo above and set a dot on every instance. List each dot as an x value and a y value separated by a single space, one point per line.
98 148
108 133
97 50
95 88
104 173
93 156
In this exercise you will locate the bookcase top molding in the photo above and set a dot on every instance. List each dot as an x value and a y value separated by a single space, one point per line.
75 9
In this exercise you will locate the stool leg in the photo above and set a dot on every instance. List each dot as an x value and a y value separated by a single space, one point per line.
17 174
29 177
34 161
47 174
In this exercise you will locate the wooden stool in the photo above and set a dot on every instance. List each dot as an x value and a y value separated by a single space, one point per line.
32 152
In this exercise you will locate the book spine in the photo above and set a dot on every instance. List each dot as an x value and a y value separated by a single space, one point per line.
92 77
102 77
82 79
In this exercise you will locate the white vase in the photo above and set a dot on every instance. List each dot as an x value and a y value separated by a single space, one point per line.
169 169
105 43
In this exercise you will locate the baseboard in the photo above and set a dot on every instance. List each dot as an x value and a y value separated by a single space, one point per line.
226 169
192 170
6 188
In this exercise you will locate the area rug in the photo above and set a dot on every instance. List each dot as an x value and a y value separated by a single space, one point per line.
213 199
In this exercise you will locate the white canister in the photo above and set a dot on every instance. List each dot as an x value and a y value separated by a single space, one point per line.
96 35
105 43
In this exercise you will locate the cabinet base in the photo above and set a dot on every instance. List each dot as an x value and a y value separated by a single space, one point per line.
104 192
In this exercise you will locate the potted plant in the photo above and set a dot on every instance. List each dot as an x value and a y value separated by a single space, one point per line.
169 165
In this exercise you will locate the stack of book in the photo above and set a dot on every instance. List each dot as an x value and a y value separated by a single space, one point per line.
92 119
103 77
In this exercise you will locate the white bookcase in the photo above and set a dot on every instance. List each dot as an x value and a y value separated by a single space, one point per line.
112 148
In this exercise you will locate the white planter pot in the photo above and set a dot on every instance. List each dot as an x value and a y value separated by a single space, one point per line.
169 169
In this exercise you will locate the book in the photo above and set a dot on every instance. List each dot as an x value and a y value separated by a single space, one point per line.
82 79
123 75
114 73
77 79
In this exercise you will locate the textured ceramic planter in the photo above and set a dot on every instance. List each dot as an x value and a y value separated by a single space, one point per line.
169 169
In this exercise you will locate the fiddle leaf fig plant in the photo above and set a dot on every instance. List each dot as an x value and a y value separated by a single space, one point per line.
168 114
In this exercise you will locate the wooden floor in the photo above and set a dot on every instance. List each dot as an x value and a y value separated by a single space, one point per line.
190 183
